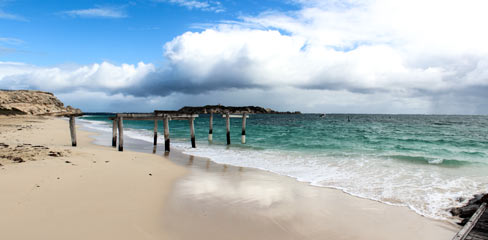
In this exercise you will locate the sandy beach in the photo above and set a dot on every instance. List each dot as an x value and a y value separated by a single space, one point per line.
93 192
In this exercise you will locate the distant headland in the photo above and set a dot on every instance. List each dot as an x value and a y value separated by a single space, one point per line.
28 102
232 109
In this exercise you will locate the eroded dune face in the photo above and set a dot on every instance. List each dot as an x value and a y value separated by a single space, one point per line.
14 102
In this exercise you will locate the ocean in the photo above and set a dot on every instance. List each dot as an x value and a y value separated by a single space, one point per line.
425 162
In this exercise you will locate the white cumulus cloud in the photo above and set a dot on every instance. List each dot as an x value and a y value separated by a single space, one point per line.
360 56
97 77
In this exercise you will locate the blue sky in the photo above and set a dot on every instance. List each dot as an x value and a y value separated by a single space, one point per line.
50 32
344 56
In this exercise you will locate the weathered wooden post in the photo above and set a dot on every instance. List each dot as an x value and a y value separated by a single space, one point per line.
114 133
192 132
120 121
155 132
227 123
72 129
243 137
166 134
210 128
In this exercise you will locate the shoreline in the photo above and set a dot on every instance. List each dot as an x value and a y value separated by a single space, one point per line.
145 146
247 184
197 163
213 194
387 171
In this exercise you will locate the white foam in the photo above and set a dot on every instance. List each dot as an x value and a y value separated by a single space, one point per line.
95 125
426 189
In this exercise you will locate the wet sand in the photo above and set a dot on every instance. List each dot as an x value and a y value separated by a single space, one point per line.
217 201
144 196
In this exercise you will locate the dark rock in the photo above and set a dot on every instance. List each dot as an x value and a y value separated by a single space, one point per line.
39 146
54 154
484 199
150 174
476 199
18 159
468 211
456 211
67 162
13 111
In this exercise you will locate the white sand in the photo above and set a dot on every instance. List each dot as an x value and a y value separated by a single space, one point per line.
105 194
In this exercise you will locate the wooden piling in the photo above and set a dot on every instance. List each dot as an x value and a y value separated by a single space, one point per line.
120 121
114 133
72 129
227 123
192 132
166 134
243 136
210 127
155 132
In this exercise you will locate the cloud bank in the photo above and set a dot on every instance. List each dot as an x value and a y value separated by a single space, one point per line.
341 56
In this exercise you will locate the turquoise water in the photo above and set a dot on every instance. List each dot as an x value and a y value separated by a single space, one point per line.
424 162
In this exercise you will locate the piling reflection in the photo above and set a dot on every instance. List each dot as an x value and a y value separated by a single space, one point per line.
190 160
230 186
222 182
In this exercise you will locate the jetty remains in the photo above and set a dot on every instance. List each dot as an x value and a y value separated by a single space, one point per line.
186 113
477 226
166 117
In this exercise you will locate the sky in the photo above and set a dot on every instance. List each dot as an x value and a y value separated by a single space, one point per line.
316 56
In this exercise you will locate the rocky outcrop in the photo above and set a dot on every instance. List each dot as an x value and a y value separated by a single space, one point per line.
470 208
237 110
27 102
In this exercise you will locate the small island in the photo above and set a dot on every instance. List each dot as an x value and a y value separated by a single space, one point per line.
232 109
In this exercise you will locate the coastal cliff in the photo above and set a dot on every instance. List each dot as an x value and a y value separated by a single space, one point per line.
237 110
28 102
